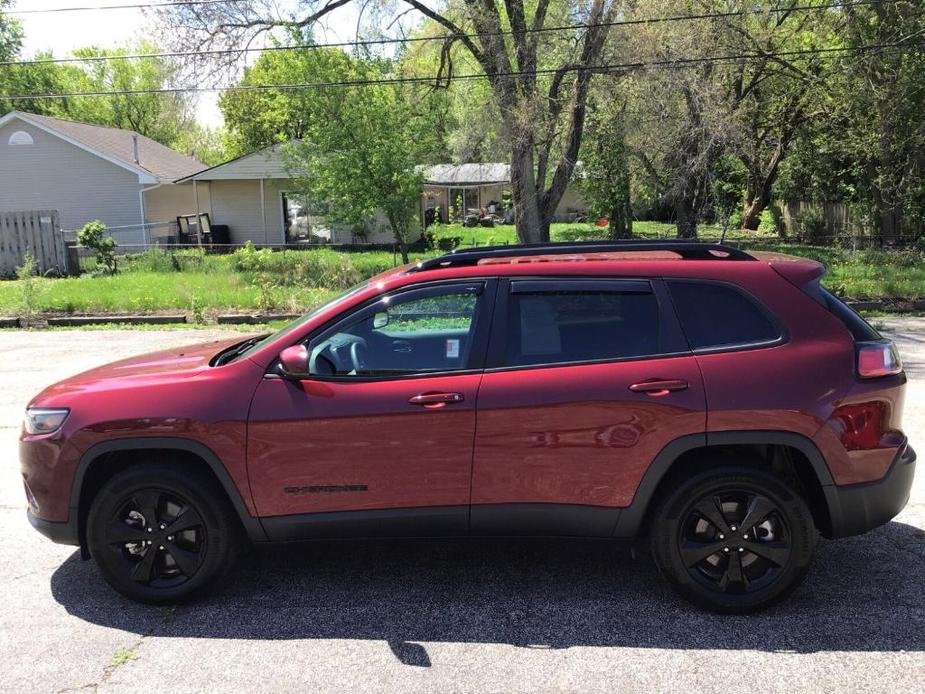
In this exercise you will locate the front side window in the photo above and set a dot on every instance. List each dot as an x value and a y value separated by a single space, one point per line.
549 327
429 333
717 315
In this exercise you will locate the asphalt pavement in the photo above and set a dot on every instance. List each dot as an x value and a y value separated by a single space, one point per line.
453 616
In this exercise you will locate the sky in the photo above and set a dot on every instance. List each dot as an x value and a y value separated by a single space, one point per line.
64 31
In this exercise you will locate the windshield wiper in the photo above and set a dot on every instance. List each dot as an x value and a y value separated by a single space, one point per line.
235 350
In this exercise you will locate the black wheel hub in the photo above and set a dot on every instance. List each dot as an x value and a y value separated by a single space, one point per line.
734 542
160 537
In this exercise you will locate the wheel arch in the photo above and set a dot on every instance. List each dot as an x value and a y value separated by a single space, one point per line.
100 456
677 453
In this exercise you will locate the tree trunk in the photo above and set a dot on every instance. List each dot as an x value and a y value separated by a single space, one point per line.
399 231
686 219
621 225
758 184
527 215
754 204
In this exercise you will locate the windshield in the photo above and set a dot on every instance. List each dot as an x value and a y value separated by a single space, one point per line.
299 322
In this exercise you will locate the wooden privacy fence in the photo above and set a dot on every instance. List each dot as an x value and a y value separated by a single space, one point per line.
35 231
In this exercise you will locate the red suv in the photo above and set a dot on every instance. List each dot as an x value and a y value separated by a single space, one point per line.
722 404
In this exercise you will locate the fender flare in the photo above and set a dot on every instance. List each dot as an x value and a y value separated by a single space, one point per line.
631 517
252 525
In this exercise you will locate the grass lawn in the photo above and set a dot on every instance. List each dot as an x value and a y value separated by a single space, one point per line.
293 281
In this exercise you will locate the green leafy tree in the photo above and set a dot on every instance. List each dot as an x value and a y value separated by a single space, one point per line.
93 236
205 144
360 150
606 167
162 117
15 79
11 33
257 119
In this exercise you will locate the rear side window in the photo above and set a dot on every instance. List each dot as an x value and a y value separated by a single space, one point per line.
860 329
720 315
549 327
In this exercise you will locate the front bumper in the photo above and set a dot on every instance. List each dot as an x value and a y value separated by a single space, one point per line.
857 508
64 533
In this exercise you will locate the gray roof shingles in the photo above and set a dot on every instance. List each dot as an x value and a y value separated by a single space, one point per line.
466 174
160 161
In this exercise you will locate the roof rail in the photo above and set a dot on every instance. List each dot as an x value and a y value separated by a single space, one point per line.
689 250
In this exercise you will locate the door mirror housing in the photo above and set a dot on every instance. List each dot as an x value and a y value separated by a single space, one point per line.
294 361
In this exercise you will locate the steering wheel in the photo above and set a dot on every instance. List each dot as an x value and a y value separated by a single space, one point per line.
319 364
358 355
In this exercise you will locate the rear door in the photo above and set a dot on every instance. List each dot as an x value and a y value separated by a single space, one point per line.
587 380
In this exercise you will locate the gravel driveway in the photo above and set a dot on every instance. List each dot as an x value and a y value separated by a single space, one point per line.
445 616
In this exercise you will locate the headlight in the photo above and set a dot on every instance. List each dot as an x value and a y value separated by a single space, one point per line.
44 420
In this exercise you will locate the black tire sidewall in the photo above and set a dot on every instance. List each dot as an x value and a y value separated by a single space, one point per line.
221 536
673 512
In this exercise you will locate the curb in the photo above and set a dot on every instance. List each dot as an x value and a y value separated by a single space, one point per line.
130 320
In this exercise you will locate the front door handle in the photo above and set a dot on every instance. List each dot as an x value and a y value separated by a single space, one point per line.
435 401
658 387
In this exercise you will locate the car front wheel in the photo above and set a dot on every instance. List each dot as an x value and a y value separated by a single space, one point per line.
161 534
733 539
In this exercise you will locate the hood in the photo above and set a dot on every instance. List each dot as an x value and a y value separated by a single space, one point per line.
169 364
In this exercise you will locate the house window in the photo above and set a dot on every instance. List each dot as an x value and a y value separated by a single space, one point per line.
21 139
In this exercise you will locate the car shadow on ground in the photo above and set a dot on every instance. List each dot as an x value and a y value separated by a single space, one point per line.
863 594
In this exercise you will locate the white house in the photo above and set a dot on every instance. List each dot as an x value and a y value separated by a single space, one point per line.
88 172
256 198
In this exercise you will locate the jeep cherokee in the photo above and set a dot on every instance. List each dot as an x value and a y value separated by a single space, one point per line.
721 404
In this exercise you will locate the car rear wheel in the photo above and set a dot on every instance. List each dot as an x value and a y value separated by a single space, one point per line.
160 534
734 540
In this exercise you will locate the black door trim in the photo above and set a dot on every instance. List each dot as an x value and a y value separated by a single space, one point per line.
430 521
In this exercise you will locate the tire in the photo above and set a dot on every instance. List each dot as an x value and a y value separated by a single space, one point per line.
710 511
192 545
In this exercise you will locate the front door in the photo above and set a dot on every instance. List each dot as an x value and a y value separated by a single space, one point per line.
379 439
586 381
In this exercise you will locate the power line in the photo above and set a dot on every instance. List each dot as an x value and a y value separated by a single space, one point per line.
443 37
599 69
138 6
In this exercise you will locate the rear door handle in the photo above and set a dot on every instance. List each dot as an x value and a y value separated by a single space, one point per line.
434 401
658 387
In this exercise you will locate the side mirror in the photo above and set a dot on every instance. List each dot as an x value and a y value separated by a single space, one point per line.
380 320
294 361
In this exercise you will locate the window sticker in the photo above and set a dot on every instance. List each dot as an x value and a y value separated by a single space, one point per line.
452 349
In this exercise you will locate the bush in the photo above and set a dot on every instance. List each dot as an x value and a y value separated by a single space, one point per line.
767 224
735 220
93 236
812 225
571 234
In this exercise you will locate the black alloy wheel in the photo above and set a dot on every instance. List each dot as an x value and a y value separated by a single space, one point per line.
733 539
161 532
734 542
160 538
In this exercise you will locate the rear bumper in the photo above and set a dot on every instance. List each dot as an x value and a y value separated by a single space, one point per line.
64 533
857 508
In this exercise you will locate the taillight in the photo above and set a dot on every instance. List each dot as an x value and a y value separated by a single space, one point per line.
878 359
